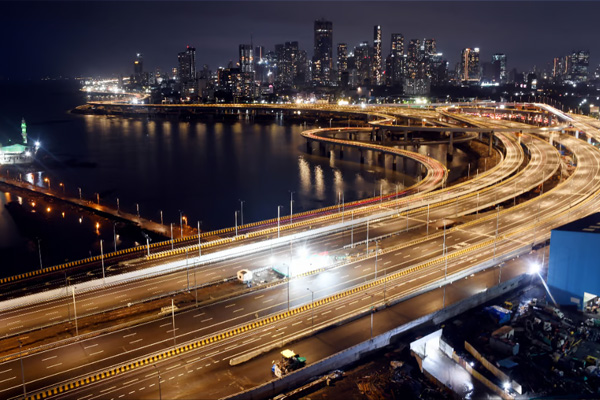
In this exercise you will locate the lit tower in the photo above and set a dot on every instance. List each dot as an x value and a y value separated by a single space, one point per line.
376 74
24 130
323 52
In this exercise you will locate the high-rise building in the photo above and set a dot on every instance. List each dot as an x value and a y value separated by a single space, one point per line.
363 55
342 60
246 58
579 65
499 67
287 63
186 72
469 65
138 68
376 64
187 65
395 61
323 52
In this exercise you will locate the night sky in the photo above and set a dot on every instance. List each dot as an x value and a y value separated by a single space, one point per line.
101 38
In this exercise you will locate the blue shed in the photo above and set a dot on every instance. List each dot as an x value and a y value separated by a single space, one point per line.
574 263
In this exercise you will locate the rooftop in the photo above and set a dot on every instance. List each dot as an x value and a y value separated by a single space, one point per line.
590 224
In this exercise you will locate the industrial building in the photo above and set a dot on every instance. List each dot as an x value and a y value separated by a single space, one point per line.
574 270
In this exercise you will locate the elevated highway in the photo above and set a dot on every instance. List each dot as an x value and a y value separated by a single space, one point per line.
428 259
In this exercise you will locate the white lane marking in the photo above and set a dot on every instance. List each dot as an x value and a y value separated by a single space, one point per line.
206 320
55 365
98 352
49 358
14 377
128 382
266 301
230 305
238 310
258 297
110 388
167 324
198 315
90 346
131 334
326 312
6 370
387 262
135 341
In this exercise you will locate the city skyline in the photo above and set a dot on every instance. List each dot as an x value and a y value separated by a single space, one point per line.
217 29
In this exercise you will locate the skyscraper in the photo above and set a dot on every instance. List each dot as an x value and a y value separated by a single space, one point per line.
499 67
186 73
376 64
469 65
578 66
323 52
138 68
395 66
342 60
246 58
187 65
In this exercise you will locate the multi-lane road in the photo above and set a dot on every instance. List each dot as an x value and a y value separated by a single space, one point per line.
409 251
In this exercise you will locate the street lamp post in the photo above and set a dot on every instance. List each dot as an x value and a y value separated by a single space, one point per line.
312 309
148 245
236 231
427 219
115 235
278 218
75 310
102 258
161 217
22 368
242 211
497 223
173 316
180 223
367 236
137 209
98 199
199 243
376 255
159 389
291 205
79 193
352 230
171 236
40 251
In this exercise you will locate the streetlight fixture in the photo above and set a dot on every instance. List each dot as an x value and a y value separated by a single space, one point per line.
236 230
102 258
159 389
181 223
118 206
48 182
242 211
199 243
278 218
312 309
22 368
172 236
161 217
40 251
79 192
291 205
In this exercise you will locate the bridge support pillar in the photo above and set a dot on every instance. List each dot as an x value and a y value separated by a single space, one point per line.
394 163
308 146
322 148
450 149
341 153
362 157
491 142
405 138
549 119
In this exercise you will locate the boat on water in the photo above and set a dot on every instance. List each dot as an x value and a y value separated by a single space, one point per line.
20 153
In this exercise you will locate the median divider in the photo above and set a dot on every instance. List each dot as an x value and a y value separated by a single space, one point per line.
185 348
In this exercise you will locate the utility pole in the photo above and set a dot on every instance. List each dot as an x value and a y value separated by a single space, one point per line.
199 243
75 311
22 368
102 258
